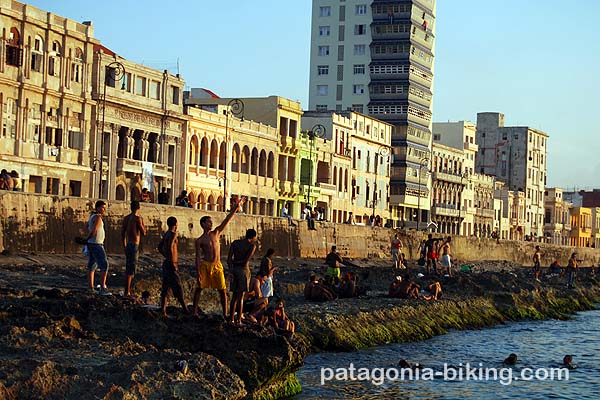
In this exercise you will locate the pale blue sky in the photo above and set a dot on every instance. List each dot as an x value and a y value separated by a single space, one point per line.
537 61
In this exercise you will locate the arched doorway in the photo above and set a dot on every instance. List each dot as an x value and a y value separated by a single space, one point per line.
120 193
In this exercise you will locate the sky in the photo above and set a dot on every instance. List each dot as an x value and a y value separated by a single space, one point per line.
536 61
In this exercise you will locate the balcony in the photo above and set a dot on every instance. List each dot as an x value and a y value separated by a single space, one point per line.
485 213
287 188
447 210
449 177
128 165
553 227
327 188
287 144
315 191
470 146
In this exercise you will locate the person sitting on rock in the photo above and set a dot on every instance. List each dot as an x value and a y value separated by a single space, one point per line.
554 268
435 290
393 290
347 288
315 291
255 303
280 319
405 289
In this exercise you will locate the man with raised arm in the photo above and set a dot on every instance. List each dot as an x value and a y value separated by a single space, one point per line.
208 258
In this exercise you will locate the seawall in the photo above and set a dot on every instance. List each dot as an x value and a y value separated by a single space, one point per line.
49 224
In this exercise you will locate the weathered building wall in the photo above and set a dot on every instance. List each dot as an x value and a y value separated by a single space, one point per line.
49 224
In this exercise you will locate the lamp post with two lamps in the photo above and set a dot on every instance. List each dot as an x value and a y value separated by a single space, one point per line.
115 71
235 108
423 162
317 132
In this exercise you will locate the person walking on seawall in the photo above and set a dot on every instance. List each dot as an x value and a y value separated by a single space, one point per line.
285 214
240 253
132 229
95 244
396 248
208 258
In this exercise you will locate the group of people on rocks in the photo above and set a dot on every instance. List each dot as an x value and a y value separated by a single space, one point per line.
10 181
430 254
404 288
251 294
555 270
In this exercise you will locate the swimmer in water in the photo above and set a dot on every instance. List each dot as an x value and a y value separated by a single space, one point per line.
511 359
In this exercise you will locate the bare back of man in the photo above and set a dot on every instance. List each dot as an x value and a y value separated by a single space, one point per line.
132 229
208 258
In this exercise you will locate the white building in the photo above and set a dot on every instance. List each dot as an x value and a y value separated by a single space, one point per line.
376 57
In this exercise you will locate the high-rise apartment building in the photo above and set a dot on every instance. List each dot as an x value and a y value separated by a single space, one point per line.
376 57
516 155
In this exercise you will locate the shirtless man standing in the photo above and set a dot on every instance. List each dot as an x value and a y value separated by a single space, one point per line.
208 258
170 267
537 260
238 263
446 256
133 227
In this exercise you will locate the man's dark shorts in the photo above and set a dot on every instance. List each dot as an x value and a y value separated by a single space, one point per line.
131 258
170 280
241 280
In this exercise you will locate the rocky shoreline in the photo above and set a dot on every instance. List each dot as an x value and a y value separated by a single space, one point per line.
58 340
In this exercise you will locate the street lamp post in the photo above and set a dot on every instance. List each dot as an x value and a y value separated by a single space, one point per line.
317 131
422 163
117 74
235 107
383 152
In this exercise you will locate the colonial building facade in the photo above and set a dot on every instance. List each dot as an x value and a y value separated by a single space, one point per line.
251 166
140 128
282 114
557 220
357 165
47 111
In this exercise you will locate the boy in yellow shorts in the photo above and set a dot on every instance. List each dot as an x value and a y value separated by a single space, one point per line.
208 258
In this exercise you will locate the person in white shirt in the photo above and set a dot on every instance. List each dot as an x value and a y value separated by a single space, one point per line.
285 214
95 244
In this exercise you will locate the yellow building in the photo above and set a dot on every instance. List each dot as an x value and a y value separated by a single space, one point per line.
581 227
45 92
252 149
283 115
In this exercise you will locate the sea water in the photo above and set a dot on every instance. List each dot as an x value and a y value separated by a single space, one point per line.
539 345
